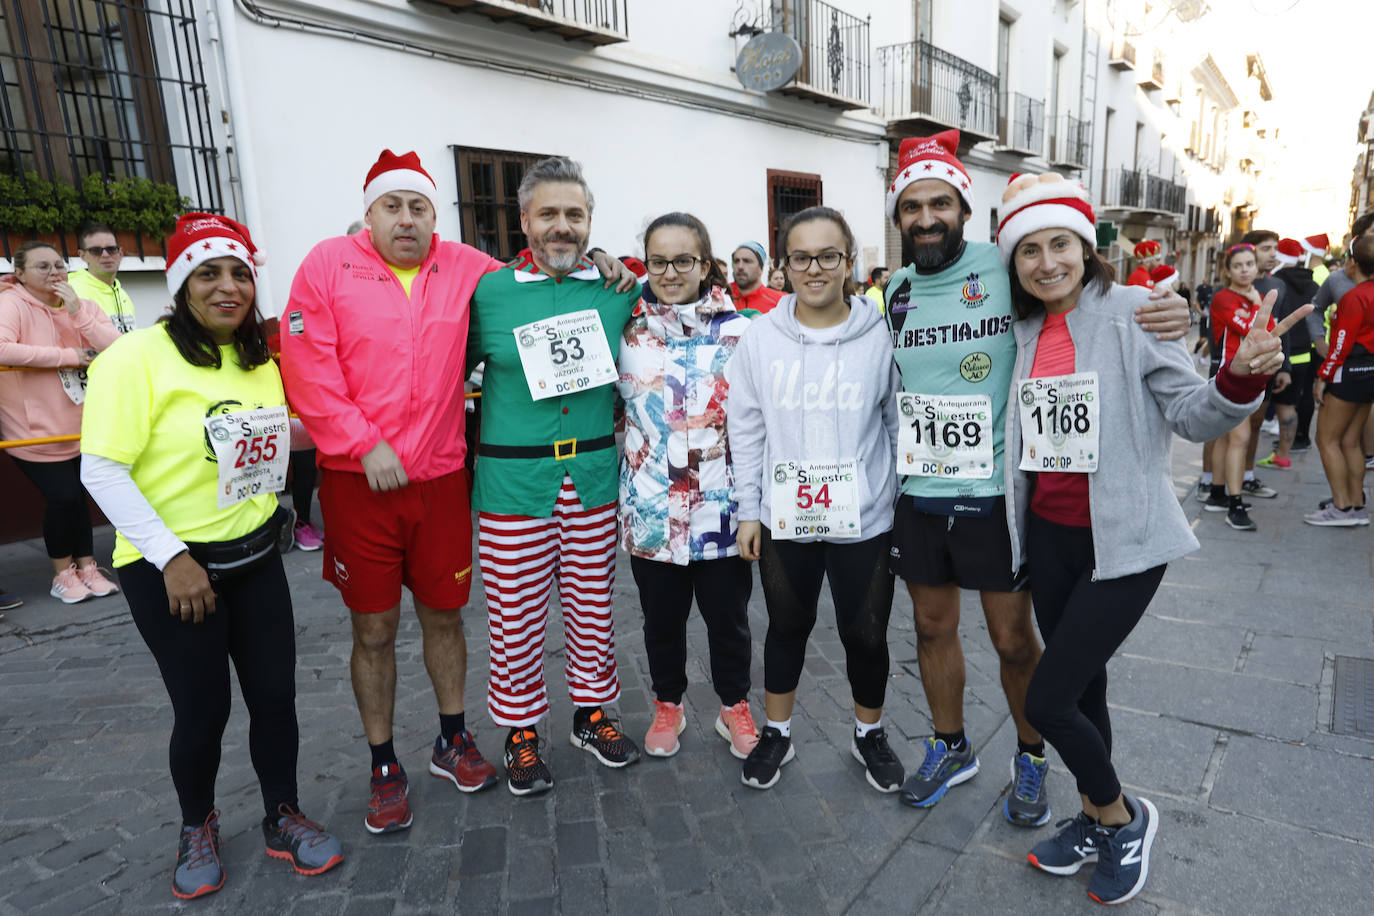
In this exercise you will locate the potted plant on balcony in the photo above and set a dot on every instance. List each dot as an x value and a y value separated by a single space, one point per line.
52 211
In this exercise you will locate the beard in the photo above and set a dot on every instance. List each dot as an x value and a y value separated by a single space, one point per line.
932 251
561 263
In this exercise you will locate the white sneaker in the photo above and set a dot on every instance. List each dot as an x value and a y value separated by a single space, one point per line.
1331 517
68 587
1270 427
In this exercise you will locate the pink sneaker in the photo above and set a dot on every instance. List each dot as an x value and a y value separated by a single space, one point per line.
308 537
95 580
68 587
661 740
736 725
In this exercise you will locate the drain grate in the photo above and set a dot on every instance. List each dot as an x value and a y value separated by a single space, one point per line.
1352 712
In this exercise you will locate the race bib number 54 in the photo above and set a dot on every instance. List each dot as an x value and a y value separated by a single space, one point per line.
815 499
1060 423
253 448
565 354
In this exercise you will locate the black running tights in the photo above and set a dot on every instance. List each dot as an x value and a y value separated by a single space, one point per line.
304 474
861 588
1083 623
253 625
66 515
722 590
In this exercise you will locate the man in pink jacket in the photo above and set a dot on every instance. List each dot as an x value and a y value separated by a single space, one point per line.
373 348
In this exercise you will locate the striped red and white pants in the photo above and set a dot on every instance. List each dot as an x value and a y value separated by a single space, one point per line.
520 558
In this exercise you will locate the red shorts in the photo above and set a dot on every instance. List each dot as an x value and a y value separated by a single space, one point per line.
419 536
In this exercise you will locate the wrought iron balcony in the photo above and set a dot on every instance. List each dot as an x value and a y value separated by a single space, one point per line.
1021 124
835 68
1071 143
925 88
597 22
1137 190
1122 55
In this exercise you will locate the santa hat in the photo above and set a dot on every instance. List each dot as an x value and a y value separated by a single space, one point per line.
1316 244
636 266
1034 202
396 173
1164 277
1290 252
929 157
1147 249
201 237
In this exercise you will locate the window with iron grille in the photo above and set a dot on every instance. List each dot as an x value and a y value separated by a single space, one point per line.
789 193
106 87
487 203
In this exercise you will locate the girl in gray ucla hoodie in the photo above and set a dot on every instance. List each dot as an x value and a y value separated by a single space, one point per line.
812 423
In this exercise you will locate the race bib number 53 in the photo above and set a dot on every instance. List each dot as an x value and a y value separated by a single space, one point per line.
565 354
1059 423
253 448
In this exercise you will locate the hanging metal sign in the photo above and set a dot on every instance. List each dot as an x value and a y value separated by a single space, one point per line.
769 61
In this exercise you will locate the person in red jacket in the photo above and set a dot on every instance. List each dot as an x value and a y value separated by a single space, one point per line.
1150 256
748 291
1344 389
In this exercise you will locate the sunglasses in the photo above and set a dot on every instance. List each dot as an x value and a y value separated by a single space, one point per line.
107 249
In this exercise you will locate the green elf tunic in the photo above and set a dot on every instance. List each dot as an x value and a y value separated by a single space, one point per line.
527 446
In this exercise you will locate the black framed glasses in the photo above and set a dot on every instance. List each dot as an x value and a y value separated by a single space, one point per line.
682 263
102 250
828 260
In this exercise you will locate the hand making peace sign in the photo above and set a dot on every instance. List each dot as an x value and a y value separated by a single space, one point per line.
1261 352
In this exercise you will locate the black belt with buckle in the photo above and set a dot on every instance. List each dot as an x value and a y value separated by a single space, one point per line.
560 450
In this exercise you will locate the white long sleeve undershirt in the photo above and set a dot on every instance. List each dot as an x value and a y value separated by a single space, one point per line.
112 486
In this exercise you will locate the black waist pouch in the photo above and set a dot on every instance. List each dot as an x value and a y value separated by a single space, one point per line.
230 559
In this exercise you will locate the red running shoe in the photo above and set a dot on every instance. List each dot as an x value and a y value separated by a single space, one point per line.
388 810
462 764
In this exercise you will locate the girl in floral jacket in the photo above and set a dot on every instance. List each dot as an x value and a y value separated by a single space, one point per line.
677 505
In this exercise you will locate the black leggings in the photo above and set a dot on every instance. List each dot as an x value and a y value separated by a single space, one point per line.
66 515
1082 623
253 625
722 590
1304 375
304 473
860 586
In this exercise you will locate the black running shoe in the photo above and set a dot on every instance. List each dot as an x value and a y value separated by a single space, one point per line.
1253 487
1216 503
526 772
1123 854
1068 850
1204 490
599 735
1239 519
882 768
761 768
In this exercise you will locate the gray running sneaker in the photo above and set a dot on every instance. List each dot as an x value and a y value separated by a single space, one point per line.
302 842
1331 517
1253 487
1028 804
1123 854
941 770
198 870
1068 850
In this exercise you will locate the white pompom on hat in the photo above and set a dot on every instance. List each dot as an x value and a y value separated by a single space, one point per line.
1290 252
397 173
201 237
1164 277
1049 201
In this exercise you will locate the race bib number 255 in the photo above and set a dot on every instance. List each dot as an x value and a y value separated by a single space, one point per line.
253 448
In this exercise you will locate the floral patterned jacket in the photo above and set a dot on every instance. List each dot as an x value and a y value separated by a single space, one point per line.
677 502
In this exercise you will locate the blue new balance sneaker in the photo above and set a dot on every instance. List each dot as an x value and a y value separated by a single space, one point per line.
1068 850
941 769
1123 854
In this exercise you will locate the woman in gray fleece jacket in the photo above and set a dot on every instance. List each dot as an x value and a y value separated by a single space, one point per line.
1090 503
812 423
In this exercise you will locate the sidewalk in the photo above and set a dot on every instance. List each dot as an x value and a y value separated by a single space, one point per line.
1223 700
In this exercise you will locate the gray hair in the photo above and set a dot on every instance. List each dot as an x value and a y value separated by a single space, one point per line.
554 168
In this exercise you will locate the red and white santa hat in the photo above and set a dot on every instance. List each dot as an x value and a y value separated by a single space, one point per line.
930 157
1147 249
201 237
1290 252
396 173
1164 277
1049 201
1316 244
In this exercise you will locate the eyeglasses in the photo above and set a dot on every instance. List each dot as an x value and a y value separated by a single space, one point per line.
46 268
828 260
102 250
682 263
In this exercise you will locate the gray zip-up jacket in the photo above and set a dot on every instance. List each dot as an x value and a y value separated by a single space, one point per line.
793 398
1149 390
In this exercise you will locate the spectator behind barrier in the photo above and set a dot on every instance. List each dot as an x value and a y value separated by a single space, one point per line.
45 326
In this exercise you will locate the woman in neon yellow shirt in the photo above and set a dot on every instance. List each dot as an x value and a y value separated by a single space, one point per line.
184 445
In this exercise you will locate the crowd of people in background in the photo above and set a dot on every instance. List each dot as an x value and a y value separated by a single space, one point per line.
793 416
